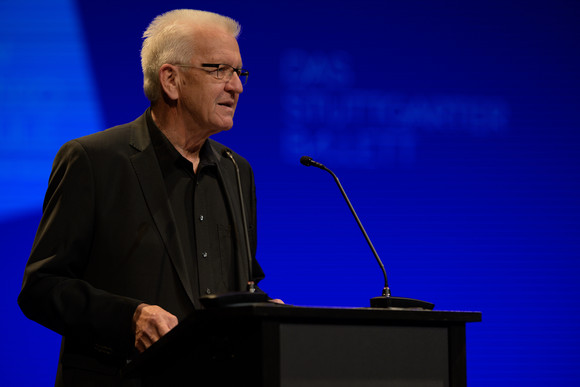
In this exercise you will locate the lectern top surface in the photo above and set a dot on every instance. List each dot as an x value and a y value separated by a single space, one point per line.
289 312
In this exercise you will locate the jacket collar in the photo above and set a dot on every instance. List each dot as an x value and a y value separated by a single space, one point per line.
150 179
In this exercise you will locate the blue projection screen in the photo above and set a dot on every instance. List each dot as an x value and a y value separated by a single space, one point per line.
453 126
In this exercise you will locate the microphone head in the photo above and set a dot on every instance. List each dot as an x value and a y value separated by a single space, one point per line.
305 160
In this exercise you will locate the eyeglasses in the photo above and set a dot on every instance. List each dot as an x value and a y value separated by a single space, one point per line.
222 71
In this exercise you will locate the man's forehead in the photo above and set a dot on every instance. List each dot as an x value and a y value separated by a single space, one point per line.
216 44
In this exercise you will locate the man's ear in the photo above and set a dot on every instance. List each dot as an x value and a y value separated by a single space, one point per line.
168 77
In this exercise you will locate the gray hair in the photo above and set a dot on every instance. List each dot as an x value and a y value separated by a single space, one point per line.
168 39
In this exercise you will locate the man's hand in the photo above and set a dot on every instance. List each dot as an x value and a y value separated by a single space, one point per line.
150 323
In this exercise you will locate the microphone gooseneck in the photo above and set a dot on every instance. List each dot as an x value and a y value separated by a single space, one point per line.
386 300
307 161
251 287
251 295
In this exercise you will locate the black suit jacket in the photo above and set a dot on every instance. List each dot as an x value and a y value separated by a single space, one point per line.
107 242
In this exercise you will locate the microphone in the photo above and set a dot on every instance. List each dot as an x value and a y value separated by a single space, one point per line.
386 300
307 161
251 286
250 295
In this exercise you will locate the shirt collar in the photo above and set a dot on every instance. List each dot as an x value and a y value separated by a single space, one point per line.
168 155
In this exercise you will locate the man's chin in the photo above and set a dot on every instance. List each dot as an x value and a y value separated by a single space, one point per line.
223 127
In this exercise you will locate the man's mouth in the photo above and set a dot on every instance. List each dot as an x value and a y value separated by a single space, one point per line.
226 104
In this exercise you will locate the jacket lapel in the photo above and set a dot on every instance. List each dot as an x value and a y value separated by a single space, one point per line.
150 179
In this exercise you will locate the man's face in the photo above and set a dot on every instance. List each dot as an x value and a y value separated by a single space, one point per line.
208 102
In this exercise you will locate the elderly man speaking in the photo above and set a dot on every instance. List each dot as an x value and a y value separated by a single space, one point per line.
141 220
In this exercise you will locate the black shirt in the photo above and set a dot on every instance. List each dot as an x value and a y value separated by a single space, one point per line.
201 215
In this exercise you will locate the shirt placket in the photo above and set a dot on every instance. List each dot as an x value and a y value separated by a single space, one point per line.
200 214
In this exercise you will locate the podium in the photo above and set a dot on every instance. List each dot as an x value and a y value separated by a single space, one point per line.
286 346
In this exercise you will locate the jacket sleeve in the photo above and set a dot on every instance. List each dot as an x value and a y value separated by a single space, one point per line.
54 293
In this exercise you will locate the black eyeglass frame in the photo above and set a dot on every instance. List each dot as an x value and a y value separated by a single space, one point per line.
240 72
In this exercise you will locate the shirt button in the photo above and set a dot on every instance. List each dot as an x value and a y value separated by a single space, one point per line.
208 291
201 218
204 254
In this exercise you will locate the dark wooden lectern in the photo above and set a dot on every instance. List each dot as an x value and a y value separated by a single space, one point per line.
270 345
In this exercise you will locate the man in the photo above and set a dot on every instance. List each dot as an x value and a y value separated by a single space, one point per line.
141 220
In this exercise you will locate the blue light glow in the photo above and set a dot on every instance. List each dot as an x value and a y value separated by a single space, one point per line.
48 95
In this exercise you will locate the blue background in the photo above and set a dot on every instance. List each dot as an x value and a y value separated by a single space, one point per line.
453 125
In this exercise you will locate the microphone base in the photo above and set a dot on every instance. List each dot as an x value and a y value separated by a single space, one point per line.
400 303
234 298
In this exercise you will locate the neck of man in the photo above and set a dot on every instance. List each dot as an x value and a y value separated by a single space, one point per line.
186 137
